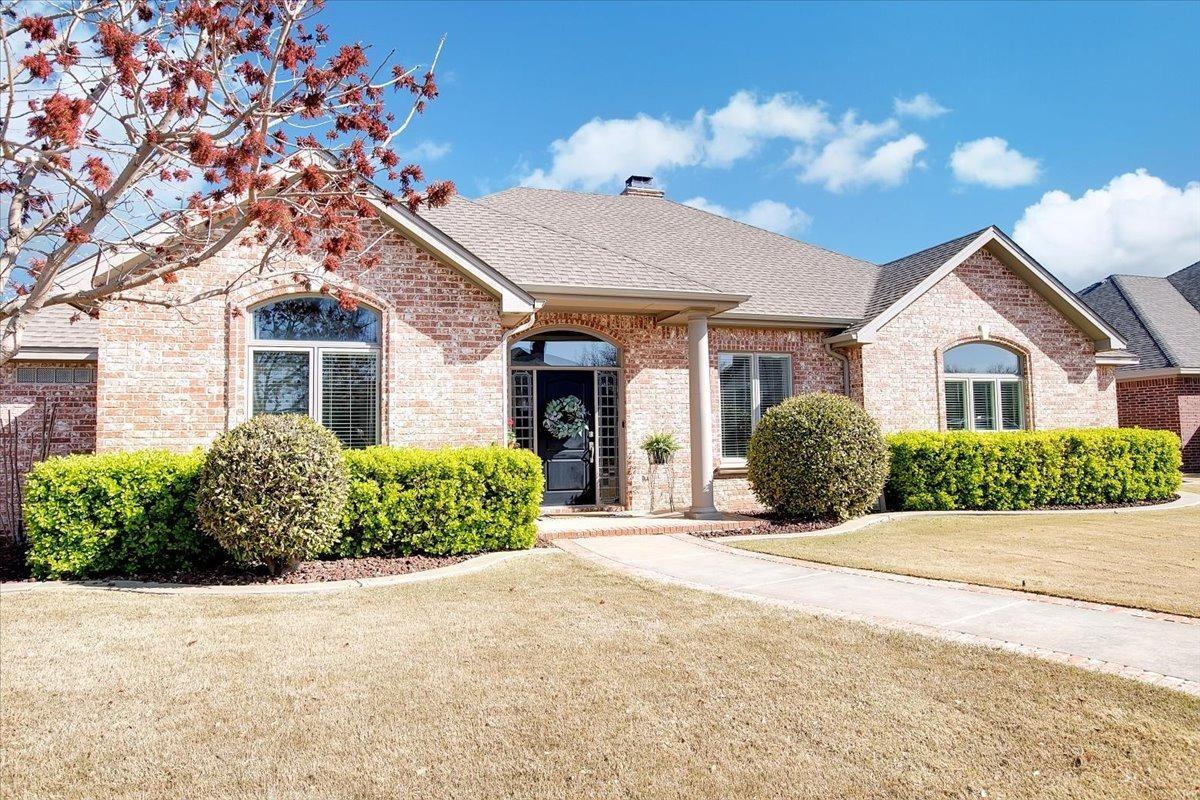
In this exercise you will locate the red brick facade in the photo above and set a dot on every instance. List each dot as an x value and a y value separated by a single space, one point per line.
901 372
177 378
1170 403
23 407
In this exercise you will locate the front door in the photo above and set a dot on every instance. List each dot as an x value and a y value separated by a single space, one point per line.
565 400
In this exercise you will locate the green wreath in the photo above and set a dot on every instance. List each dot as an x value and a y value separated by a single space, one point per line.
565 417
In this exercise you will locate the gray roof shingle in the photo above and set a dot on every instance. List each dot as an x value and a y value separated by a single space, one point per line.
53 328
782 275
1159 317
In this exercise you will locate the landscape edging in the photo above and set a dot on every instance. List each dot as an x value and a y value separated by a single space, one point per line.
1185 500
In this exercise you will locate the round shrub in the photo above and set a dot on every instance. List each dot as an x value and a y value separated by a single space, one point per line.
273 490
817 456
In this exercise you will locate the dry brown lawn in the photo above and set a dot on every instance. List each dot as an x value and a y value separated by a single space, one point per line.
1145 559
549 677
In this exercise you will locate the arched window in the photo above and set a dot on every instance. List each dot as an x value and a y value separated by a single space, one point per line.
984 390
309 355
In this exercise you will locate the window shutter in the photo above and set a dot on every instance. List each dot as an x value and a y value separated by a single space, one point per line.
350 397
983 405
736 404
1010 405
956 406
774 381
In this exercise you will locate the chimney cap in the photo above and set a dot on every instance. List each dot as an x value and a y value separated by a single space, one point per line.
641 186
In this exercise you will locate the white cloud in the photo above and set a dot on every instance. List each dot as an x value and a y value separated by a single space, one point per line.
606 149
922 106
770 215
427 150
991 162
1136 223
744 122
852 158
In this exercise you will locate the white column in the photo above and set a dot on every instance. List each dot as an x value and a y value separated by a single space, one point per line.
700 413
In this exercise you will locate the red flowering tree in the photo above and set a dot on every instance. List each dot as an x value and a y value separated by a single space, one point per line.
139 137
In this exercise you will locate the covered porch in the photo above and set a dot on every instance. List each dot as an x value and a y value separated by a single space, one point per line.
588 378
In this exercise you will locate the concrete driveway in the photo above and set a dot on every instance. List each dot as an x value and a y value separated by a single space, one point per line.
1159 648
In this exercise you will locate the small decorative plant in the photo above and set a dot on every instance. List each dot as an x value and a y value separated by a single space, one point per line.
660 447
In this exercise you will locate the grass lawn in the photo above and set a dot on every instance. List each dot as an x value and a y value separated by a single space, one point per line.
1147 559
549 677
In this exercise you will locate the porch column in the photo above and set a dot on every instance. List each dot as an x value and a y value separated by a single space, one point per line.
700 414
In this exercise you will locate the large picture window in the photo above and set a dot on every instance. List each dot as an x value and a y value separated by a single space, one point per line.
751 383
308 355
984 390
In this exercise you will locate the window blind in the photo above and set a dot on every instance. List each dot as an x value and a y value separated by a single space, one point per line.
350 397
983 405
956 405
1010 405
737 404
774 382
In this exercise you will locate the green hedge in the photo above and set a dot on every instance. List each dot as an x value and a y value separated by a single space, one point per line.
125 513
118 514
441 502
1025 469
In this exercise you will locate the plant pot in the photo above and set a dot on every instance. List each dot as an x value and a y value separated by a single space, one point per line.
659 458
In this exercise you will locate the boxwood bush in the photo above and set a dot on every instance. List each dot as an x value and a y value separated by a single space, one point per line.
441 502
115 514
819 456
273 490
1031 469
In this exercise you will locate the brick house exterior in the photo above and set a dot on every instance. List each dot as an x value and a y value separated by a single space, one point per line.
1160 318
454 291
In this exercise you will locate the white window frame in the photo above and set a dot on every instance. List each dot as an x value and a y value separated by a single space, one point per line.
315 350
755 394
969 379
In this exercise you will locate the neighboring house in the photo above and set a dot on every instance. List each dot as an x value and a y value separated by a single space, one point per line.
654 316
1160 319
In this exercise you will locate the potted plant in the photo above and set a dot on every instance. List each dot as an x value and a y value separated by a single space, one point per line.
660 447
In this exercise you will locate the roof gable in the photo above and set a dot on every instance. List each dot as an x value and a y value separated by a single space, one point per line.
908 278
1164 323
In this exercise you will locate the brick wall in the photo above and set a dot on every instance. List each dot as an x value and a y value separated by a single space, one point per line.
901 371
22 406
1169 403
177 378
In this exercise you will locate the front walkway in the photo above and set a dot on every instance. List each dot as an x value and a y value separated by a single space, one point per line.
627 523
1158 648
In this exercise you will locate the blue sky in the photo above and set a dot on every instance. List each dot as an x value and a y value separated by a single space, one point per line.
1083 97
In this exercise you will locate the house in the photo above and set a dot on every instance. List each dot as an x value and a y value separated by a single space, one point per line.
1160 319
623 315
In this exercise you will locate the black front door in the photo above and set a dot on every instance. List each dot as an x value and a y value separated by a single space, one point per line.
567 454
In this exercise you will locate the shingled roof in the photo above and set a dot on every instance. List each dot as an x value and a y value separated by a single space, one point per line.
1159 317
781 275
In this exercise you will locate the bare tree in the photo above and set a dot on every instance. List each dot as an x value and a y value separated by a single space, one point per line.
140 137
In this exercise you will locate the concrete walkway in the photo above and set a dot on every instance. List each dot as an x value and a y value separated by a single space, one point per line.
1158 648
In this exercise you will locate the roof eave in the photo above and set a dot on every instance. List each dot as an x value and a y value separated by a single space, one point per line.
668 304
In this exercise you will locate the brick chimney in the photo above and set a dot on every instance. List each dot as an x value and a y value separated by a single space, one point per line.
641 186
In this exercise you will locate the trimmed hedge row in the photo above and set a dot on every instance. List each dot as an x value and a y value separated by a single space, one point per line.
1031 469
118 514
442 502
129 513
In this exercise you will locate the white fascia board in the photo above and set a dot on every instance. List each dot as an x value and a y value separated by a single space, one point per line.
1166 372
735 320
56 354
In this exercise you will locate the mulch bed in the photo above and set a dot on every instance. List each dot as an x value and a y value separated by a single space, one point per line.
774 524
1107 506
307 572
